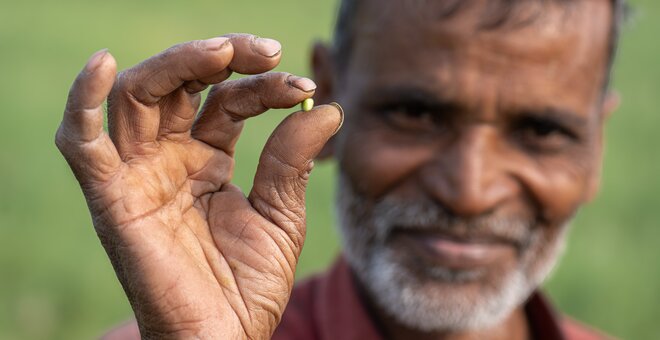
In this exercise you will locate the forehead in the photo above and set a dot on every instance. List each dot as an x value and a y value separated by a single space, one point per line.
544 50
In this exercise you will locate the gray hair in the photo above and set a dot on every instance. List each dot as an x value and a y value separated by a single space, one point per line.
500 13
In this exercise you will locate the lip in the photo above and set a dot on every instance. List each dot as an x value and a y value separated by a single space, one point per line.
453 252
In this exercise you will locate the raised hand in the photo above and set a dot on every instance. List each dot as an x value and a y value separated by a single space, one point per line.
196 258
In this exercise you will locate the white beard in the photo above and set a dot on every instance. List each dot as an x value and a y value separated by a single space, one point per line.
434 301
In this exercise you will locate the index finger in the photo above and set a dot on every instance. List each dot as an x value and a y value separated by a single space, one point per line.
134 117
252 55
198 60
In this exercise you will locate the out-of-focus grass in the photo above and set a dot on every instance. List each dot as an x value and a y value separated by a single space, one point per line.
55 280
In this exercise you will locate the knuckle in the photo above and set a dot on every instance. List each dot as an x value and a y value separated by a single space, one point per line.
118 90
65 146
196 45
239 36
167 53
260 80
276 79
60 141
282 76
129 86
122 82
184 48
216 89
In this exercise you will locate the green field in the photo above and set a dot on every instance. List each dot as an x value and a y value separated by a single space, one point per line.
55 280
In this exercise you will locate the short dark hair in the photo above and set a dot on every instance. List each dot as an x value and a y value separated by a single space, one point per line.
501 12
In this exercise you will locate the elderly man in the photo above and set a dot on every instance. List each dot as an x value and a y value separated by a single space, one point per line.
473 133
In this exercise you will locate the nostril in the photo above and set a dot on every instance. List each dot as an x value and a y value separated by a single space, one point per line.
466 188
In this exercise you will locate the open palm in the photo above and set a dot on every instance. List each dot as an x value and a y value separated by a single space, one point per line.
195 256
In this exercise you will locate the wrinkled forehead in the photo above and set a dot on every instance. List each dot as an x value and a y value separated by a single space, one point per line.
559 45
537 24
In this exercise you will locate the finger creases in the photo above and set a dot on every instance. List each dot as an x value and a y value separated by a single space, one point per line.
150 93
80 137
142 106
163 73
286 161
229 103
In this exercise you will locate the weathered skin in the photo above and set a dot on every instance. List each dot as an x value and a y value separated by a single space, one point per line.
510 125
487 124
196 258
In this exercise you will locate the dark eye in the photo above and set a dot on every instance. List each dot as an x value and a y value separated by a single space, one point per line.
413 117
543 128
542 134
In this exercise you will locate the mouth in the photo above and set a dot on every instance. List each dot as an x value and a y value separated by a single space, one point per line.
454 252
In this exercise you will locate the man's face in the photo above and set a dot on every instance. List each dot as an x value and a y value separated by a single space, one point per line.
465 152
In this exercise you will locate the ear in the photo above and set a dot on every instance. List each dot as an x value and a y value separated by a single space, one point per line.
611 102
323 69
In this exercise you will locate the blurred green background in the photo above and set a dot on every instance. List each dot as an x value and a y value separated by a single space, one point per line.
55 280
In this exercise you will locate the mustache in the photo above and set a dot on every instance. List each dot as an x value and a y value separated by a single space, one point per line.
390 216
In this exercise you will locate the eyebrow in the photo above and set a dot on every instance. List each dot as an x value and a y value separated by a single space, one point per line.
564 116
410 94
383 96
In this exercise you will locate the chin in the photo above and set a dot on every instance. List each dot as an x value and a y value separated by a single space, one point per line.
428 296
439 300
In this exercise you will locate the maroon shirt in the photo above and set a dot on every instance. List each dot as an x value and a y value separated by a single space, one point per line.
327 307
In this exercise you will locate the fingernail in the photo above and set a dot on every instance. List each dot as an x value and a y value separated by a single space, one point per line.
95 60
215 44
267 47
341 112
304 84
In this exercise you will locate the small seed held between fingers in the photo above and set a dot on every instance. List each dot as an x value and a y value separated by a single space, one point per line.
307 104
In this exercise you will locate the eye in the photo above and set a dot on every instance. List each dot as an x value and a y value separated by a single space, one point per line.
543 134
543 128
413 117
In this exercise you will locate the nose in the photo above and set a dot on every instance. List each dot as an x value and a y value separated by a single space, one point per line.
470 177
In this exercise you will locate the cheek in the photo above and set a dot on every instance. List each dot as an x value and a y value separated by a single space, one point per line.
558 187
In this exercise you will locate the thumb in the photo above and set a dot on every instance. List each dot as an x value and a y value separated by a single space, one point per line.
278 192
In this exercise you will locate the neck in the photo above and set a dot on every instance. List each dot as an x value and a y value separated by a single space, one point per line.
514 327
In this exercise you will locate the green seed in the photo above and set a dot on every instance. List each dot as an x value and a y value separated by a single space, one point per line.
307 104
